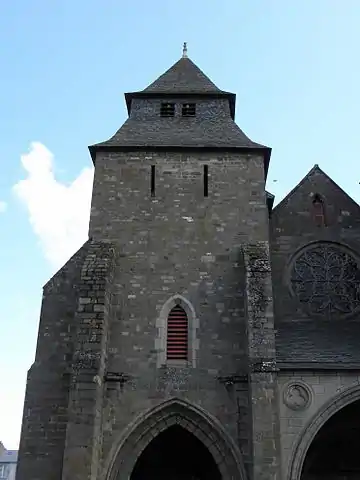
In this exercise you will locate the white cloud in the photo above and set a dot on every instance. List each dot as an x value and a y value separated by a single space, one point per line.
3 207
59 213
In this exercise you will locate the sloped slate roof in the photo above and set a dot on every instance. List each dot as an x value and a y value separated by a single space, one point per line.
315 170
183 77
189 132
318 342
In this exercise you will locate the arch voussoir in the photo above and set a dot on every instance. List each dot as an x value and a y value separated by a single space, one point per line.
224 452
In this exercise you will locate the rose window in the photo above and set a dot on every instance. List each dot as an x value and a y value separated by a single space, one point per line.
326 280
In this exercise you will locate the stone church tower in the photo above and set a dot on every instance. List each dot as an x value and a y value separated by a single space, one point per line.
156 354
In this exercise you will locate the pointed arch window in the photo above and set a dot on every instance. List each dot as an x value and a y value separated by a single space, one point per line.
176 341
318 210
177 334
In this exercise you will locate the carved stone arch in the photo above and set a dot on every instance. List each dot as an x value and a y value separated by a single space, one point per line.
330 408
126 451
161 326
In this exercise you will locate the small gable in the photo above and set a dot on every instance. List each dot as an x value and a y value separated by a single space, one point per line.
314 241
316 202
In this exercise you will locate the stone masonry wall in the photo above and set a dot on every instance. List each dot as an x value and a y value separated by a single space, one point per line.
262 363
47 392
325 343
123 209
292 228
85 412
324 387
178 243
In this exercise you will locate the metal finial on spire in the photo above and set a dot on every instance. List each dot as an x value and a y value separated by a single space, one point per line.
184 55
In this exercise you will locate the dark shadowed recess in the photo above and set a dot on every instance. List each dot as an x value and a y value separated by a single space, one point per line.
176 454
335 451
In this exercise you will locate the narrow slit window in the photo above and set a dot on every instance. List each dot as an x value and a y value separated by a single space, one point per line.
167 110
177 334
318 211
206 180
188 110
152 181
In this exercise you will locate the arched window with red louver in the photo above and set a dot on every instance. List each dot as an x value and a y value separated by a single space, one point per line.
177 334
318 211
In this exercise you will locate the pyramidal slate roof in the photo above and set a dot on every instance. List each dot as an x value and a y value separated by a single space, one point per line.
183 77
183 80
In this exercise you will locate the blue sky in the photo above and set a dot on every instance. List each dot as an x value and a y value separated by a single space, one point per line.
295 67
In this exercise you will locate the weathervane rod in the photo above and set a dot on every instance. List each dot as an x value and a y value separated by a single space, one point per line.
184 55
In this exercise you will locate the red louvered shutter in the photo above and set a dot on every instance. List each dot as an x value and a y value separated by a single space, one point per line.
319 213
177 334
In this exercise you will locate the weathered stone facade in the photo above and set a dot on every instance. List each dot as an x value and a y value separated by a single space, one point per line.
180 217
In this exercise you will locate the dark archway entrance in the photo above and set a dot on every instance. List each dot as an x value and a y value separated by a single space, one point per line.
175 454
334 453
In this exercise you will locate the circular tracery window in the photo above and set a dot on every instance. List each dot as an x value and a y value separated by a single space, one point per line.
326 280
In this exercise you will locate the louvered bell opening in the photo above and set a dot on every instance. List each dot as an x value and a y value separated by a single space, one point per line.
188 110
177 334
167 110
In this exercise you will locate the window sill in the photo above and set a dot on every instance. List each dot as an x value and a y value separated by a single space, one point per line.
177 363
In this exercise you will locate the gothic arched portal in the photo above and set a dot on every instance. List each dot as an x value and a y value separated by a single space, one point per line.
175 431
334 452
329 447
